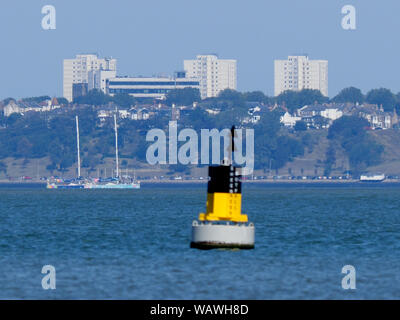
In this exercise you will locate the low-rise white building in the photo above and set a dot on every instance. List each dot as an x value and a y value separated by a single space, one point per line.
21 107
326 111
153 87
10 108
288 120
332 114
377 117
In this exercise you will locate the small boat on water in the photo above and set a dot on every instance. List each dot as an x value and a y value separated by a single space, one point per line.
111 185
61 185
372 178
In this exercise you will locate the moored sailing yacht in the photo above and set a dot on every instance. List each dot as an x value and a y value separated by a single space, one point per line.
80 183
74 183
117 182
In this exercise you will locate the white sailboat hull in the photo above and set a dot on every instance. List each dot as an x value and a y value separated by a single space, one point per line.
372 178
113 186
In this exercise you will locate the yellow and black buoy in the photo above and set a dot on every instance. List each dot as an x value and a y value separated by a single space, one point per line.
223 225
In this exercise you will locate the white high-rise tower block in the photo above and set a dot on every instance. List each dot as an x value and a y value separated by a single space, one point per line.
87 68
214 74
298 73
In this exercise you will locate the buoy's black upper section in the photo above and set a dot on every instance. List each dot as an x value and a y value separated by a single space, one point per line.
224 179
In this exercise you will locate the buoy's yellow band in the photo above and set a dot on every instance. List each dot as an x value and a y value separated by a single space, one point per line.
224 207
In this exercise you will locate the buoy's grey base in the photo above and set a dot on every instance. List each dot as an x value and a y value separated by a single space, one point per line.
231 236
212 245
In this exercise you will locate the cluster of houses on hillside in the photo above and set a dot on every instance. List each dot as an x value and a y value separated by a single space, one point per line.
131 114
317 116
322 116
142 112
22 107
136 112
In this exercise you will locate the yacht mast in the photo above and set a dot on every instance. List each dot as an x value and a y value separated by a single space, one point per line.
116 144
78 149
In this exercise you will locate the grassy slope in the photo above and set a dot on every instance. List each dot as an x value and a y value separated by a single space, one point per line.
311 162
390 139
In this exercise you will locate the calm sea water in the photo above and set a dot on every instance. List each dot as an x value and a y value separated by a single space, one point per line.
135 244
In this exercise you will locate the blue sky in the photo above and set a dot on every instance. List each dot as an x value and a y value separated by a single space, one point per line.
155 36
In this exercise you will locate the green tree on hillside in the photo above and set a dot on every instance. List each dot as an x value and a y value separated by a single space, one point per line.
62 156
273 149
3 167
350 132
300 126
350 94
124 100
287 149
94 97
198 119
36 99
297 99
382 97
257 96
62 101
330 159
231 95
13 120
7 101
348 127
183 97
24 148
231 107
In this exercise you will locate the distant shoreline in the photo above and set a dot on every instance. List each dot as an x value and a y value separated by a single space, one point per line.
271 181
264 181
